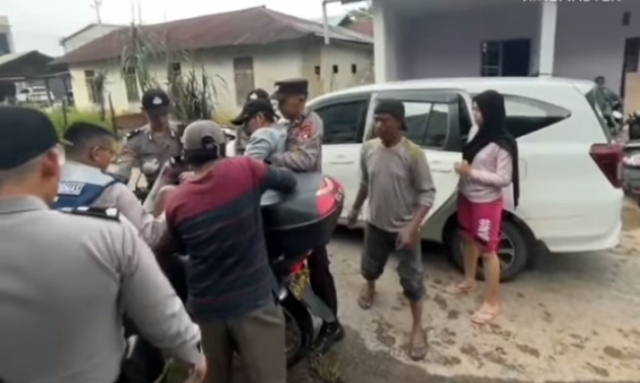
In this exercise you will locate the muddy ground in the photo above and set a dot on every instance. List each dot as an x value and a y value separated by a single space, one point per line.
574 318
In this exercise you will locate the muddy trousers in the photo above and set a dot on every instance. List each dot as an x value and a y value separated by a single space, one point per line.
321 279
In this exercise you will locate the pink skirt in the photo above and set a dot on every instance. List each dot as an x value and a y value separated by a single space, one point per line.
481 222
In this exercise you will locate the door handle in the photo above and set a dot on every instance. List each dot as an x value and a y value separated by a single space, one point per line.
342 162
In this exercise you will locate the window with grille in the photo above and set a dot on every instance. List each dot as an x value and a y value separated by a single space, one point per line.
93 86
243 77
131 83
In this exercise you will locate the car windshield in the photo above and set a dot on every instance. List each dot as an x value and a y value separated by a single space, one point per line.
593 102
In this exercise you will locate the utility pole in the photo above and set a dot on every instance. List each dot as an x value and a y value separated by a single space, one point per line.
96 5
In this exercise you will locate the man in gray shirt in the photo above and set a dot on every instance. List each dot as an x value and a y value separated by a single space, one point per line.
84 180
265 137
66 279
397 180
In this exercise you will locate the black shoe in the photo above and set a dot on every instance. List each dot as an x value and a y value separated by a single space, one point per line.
329 335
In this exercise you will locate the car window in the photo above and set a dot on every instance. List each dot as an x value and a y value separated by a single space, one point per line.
343 122
526 115
427 123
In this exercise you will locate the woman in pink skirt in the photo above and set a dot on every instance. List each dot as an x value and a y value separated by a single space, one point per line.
490 164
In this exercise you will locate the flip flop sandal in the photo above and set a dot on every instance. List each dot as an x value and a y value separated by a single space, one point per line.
365 299
460 289
418 352
483 317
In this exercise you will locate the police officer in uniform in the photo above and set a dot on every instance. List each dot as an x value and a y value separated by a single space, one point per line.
304 154
242 133
66 278
85 181
149 147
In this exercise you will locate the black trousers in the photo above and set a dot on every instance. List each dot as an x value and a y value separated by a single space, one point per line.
321 279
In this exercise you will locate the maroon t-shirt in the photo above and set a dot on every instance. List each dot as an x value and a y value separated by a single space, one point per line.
217 220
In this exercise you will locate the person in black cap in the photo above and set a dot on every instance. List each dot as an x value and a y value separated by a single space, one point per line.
266 137
70 275
242 135
394 169
304 154
150 146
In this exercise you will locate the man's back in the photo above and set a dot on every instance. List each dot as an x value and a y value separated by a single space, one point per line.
59 300
218 221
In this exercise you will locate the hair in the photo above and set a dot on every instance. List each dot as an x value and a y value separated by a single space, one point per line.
83 136
267 116
22 172
599 79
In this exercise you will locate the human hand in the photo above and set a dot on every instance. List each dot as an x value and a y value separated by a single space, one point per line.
186 176
352 218
198 372
408 238
463 168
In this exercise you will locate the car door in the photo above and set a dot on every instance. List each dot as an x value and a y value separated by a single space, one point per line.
343 119
433 122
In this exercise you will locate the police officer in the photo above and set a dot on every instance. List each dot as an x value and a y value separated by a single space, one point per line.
149 147
304 154
85 181
242 134
65 279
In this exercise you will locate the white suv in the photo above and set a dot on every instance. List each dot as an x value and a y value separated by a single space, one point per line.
571 196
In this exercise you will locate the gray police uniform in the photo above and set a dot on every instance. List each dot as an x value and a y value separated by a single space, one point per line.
84 185
65 281
148 151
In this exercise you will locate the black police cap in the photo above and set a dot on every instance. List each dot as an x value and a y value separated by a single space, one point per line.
24 135
252 108
156 101
292 87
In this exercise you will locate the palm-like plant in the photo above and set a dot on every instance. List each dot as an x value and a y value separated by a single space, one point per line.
139 52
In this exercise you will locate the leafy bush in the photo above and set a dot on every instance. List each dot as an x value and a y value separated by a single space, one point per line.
73 115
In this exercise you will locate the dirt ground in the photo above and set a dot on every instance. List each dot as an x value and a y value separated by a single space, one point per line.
574 318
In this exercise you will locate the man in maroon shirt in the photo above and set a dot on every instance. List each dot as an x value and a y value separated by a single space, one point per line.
215 218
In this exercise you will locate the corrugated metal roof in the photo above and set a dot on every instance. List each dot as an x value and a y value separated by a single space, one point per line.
253 26
6 58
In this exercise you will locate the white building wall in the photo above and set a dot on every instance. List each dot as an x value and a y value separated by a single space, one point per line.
270 64
589 39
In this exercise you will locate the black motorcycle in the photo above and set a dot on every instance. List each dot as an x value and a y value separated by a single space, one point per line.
293 225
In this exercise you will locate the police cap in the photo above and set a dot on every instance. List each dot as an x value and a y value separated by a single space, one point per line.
25 134
252 108
291 87
156 102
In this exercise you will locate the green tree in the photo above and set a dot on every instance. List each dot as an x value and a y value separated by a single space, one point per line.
360 14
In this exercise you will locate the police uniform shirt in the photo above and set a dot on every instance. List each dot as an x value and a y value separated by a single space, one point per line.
65 281
148 150
119 196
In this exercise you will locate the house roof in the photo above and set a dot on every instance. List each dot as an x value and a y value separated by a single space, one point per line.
253 26
86 28
362 27
28 64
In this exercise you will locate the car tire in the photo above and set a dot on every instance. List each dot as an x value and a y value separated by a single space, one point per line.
513 241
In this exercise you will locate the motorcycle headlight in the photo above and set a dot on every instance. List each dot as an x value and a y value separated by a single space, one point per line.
633 160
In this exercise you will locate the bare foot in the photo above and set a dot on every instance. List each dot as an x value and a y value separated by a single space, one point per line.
365 300
486 313
418 344
461 288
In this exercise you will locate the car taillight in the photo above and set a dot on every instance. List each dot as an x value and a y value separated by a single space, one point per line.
330 195
608 157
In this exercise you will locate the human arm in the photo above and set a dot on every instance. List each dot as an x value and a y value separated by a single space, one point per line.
501 177
151 229
151 303
422 181
305 156
127 159
363 190
271 177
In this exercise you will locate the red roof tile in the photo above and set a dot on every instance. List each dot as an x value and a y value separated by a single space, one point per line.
362 27
253 26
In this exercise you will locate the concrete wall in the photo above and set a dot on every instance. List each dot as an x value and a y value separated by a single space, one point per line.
86 36
589 38
270 64
7 44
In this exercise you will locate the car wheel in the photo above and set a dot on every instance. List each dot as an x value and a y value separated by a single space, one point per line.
512 251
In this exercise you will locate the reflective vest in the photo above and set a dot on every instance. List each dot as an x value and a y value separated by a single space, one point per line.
81 185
